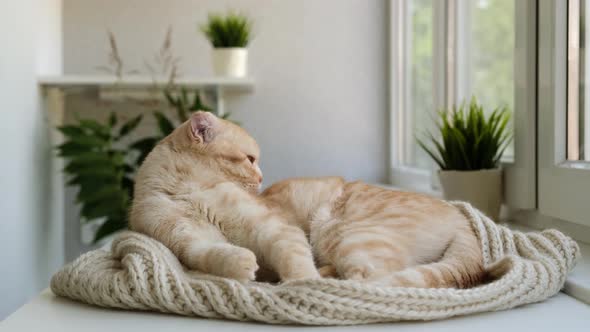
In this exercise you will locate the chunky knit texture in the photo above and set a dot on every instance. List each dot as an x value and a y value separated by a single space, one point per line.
142 274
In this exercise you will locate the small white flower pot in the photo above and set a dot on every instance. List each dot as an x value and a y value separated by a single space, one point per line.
481 188
230 62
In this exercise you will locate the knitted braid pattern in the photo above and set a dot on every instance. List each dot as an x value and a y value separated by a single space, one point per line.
139 273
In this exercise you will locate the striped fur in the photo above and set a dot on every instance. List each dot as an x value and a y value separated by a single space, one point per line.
364 232
197 193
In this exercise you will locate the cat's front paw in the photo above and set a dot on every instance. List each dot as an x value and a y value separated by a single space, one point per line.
240 263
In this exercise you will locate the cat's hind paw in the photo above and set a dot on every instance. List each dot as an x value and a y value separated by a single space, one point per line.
359 271
241 264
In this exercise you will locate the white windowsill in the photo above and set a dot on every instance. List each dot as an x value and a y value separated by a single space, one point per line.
50 313
578 282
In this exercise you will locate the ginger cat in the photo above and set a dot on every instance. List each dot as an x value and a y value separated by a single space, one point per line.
197 193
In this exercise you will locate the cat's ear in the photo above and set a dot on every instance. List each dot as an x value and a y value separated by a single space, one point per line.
203 126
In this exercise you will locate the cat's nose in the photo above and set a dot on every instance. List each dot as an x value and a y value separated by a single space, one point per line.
260 179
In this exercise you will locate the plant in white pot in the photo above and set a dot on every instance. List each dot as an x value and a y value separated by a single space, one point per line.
229 35
468 151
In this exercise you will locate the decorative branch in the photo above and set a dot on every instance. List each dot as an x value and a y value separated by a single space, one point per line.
165 63
115 64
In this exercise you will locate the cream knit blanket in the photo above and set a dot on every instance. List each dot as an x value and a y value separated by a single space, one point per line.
142 274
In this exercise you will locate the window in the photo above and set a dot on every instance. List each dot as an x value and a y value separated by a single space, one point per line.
420 46
578 114
490 55
528 55
564 173
413 85
443 53
463 48
490 62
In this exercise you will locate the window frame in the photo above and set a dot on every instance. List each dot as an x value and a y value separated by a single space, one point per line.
450 52
563 184
400 174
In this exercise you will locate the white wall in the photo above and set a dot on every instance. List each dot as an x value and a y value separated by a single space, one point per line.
25 167
319 107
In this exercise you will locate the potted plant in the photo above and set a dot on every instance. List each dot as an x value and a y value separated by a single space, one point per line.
468 152
102 163
229 35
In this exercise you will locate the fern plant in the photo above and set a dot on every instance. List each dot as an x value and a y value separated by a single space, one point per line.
103 168
99 170
231 30
468 139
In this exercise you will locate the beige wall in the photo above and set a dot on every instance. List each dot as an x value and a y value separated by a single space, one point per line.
29 251
319 106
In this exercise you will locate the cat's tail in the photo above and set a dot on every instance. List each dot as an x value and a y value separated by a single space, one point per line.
460 267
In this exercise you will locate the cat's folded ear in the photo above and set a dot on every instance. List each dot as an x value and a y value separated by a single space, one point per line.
203 126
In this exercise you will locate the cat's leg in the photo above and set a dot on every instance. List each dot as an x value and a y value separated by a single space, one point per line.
357 253
460 267
250 223
283 247
202 247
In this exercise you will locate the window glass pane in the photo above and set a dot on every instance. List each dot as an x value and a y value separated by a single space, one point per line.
584 115
420 95
491 54
578 113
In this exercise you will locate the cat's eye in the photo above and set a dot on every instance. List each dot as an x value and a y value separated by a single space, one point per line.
251 158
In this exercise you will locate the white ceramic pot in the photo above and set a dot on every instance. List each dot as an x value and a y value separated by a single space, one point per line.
230 62
482 188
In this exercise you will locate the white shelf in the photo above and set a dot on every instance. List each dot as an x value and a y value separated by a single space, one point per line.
245 84
138 86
